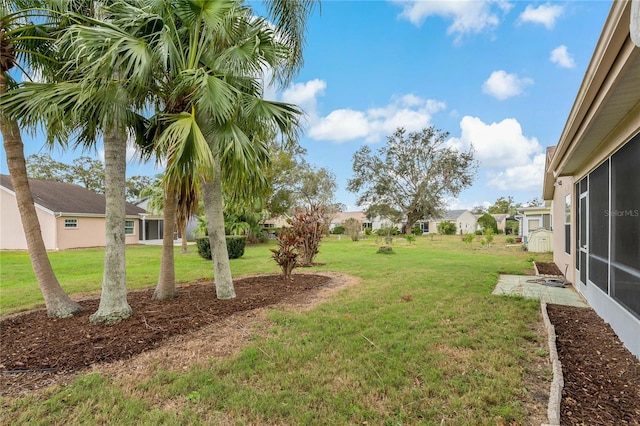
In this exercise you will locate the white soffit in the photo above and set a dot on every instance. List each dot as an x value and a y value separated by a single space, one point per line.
622 99
634 26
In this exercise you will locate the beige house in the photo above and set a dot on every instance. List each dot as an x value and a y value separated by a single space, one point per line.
465 221
70 216
593 180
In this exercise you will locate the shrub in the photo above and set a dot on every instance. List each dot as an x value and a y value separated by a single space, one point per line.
286 256
235 247
411 238
368 231
447 228
310 226
385 250
468 238
478 232
416 230
338 230
488 222
204 249
510 240
353 227
488 235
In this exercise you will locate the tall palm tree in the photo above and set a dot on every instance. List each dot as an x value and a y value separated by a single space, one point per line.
208 99
90 105
22 40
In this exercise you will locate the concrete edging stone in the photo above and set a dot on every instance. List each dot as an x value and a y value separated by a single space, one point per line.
555 394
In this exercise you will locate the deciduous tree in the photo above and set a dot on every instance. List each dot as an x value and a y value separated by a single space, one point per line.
413 173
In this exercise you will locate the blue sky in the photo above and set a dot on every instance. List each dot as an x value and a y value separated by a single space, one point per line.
499 74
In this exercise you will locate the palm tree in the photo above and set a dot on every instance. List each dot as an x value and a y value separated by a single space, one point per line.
21 39
88 105
208 103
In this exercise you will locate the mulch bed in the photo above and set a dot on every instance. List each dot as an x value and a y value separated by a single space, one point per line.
33 343
548 268
601 377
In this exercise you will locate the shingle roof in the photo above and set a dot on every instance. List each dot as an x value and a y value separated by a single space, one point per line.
67 198
452 214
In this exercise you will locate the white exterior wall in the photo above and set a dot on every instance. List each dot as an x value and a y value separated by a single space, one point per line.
466 223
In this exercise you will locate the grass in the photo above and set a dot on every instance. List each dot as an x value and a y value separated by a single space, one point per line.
419 341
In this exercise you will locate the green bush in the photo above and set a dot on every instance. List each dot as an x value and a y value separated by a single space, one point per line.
416 230
411 238
447 228
479 232
204 249
235 247
338 230
510 240
368 231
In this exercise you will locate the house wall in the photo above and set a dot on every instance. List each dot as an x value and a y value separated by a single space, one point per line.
11 232
466 223
89 233
562 258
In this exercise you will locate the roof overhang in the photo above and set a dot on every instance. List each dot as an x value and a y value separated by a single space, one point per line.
607 103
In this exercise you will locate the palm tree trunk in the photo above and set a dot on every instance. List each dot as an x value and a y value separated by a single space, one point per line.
213 208
183 233
113 300
57 302
166 288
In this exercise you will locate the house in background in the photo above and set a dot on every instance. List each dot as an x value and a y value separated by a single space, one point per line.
340 217
593 180
70 216
501 221
533 218
465 221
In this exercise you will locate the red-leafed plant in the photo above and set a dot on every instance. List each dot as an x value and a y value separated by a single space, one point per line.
286 256
310 226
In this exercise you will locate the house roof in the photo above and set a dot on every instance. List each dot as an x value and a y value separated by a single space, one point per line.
67 198
452 214
342 216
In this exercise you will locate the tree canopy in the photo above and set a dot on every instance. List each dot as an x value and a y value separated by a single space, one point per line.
413 173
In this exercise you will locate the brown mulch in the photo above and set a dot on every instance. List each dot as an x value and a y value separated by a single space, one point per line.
548 268
601 377
35 345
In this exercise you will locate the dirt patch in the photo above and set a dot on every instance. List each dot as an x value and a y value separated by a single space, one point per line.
601 377
547 268
38 351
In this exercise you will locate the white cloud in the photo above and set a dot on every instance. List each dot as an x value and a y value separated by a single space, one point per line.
503 85
528 177
472 16
341 125
560 56
409 111
458 204
305 96
497 144
545 14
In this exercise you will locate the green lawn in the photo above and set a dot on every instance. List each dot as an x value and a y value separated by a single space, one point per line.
453 355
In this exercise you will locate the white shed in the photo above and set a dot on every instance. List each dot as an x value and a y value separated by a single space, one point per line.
540 241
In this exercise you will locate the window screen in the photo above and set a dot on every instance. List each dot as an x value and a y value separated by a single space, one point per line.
599 226
625 225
